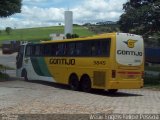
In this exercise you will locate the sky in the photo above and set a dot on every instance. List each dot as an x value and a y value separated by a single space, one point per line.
40 13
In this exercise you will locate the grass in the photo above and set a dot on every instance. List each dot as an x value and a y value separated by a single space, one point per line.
41 33
2 67
153 87
152 82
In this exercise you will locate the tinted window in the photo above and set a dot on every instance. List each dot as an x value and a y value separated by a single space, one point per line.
71 50
105 47
47 50
90 48
60 51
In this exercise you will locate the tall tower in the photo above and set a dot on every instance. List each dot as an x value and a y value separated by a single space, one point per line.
68 22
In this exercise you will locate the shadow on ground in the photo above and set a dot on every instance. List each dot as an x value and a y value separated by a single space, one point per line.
93 91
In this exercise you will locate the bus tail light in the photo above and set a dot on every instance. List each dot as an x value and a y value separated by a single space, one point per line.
113 73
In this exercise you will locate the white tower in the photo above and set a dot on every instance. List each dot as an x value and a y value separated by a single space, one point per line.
68 22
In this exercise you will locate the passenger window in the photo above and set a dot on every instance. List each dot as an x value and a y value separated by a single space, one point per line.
59 50
54 49
47 49
86 48
78 51
41 50
95 48
105 47
71 49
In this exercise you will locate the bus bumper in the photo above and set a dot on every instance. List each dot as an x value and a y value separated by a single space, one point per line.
124 84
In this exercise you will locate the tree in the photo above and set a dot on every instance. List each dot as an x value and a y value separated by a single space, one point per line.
141 17
8 30
9 7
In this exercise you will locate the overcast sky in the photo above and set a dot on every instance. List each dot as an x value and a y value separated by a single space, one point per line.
39 13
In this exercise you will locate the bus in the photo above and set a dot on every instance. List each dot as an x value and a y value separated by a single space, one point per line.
108 61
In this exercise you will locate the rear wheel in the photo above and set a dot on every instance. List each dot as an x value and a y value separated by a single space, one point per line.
112 91
85 84
73 82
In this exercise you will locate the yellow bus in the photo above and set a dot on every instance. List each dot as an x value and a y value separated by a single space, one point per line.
108 61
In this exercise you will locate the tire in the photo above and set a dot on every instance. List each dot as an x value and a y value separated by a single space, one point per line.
24 74
112 91
85 84
74 82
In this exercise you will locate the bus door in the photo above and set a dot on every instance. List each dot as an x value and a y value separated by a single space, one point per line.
19 57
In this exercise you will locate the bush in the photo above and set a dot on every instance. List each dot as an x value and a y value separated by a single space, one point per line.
151 80
69 36
3 76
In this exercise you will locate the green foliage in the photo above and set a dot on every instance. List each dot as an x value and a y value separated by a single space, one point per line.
98 29
41 33
3 75
8 30
152 80
69 36
75 36
9 7
141 17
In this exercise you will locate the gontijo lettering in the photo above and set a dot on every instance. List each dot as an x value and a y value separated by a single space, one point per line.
125 52
62 61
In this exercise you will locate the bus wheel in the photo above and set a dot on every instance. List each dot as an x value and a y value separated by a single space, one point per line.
85 84
24 74
112 91
73 82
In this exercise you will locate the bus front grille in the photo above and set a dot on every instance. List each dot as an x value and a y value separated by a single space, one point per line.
99 78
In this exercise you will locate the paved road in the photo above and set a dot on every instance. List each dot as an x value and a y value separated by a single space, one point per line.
28 97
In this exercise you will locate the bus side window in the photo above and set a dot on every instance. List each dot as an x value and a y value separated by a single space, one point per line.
86 48
47 49
71 49
105 47
95 48
78 49
54 49
60 50
41 50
